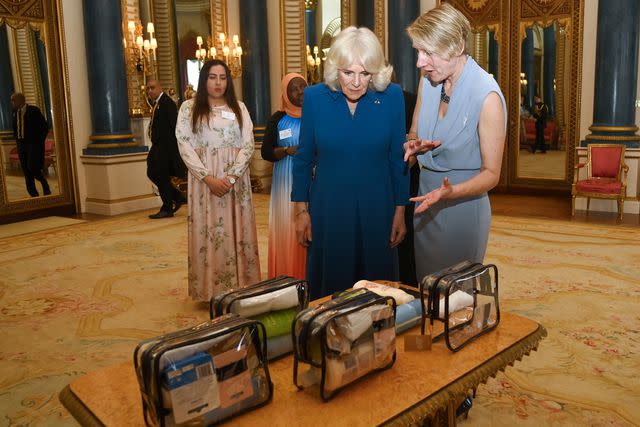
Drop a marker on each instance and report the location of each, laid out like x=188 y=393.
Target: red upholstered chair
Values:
x=606 y=176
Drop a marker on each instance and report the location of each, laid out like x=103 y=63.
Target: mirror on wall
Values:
x=483 y=47
x=29 y=144
x=193 y=20
x=323 y=22
x=542 y=150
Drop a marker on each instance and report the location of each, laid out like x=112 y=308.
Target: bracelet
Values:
x=301 y=212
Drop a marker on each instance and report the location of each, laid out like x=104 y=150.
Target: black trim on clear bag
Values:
x=222 y=304
x=440 y=284
x=467 y=275
x=432 y=309
x=300 y=353
x=153 y=406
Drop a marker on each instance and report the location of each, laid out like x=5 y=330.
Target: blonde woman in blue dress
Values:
x=458 y=137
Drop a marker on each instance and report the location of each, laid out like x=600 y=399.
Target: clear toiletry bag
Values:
x=274 y=303
x=344 y=339
x=465 y=298
x=205 y=374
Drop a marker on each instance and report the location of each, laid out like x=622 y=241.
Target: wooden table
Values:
x=420 y=385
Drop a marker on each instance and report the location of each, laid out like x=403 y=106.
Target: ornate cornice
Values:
x=22 y=10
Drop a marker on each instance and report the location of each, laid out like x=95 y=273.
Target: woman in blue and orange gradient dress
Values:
x=281 y=140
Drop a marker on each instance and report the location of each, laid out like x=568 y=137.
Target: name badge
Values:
x=284 y=134
x=228 y=115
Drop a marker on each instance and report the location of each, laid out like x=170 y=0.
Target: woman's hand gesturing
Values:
x=418 y=146
x=431 y=198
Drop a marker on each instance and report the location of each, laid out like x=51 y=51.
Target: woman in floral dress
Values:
x=215 y=139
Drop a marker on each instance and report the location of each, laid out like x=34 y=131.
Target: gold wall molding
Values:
x=345 y=13
x=612 y=137
x=166 y=34
x=561 y=38
x=379 y=22
x=46 y=18
x=292 y=37
x=219 y=24
x=568 y=14
x=27 y=65
x=111 y=137
x=595 y=128
x=22 y=12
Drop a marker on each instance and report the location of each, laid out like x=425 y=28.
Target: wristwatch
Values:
x=232 y=180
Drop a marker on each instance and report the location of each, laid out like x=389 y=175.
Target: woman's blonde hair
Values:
x=443 y=30
x=357 y=46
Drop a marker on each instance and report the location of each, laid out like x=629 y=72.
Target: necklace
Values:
x=443 y=95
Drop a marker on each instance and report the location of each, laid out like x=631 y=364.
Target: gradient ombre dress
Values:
x=286 y=255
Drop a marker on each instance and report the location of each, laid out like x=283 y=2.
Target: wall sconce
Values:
x=523 y=81
x=142 y=54
x=314 y=64
x=228 y=50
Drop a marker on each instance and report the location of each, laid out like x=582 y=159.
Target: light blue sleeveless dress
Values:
x=453 y=230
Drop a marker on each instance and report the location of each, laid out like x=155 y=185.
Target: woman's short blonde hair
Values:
x=443 y=30
x=357 y=46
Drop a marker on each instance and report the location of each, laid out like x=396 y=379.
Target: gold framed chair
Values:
x=606 y=176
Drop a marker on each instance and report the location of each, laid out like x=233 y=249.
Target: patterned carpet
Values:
x=34 y=225
x=78 y=298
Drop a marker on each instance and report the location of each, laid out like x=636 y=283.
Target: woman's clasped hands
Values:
x=218 y=186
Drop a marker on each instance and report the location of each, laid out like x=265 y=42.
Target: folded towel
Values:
x=277 y=346
x=357 y=323
x=399 y=295
x=408 y=315
x=272 y=301
x=277 y=323
x=457 y=301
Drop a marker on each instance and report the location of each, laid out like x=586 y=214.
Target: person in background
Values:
x=215 y=139
x=30 y=130
x=281 y=139
x=461 y=123
x=350 y=212
x=164 y=159
x=540 y=112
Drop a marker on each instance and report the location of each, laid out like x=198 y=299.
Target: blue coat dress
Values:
x=351 y=171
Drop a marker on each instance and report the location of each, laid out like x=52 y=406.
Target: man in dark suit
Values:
x=540 y=112
x=164 y=159
x=30 y=130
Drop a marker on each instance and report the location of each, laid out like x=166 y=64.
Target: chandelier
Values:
x=227 y=50
x=314 y=64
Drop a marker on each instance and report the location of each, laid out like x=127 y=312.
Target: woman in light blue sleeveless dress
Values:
x=460 y=121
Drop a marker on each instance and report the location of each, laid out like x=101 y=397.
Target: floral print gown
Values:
x=223 y=244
